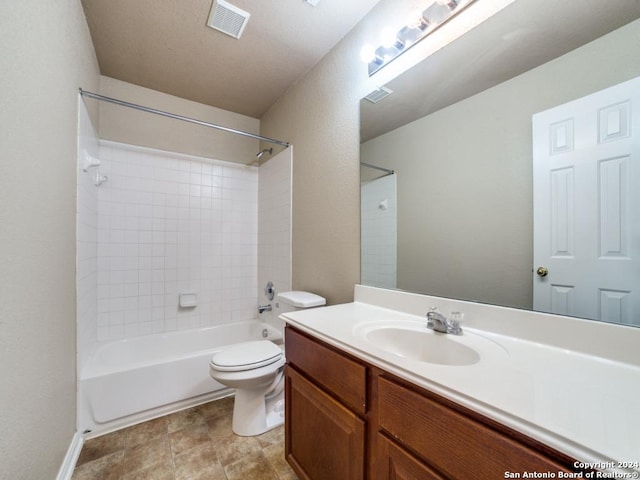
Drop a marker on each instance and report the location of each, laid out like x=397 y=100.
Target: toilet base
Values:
x=252 y=415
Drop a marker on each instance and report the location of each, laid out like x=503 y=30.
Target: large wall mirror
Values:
x=456 y=216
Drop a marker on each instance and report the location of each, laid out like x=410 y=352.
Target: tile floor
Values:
x=193 y=444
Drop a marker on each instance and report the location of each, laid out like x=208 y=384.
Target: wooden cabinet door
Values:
x=323 y=439
x=394 y=463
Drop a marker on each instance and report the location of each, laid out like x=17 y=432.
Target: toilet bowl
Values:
x=256 y=370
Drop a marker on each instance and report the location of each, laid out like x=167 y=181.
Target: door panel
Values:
x=587 y=206
x=324 y=440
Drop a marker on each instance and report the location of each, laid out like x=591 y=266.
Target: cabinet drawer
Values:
x=443 y=437
x=343 y=377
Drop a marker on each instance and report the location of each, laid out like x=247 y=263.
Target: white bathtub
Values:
x=133 y=380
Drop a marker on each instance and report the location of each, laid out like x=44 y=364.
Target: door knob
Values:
x=542 y=271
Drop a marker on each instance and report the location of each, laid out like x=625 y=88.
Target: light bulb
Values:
x=388 y=37
x=448 y=3
x=367 y=53
x=414 y=20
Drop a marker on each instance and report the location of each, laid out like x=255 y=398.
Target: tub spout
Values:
x=264 y=308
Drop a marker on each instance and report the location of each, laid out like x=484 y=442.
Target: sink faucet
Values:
x=264 y=308
x=439 y=323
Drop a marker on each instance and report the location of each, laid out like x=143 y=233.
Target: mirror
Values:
x=456 y=132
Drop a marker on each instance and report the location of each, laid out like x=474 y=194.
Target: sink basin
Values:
x=423 y=347
x=413 y=341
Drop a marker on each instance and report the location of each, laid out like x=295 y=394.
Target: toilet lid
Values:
x=247 y=356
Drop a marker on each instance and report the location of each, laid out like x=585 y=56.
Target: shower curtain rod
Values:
x=389 y=172
x=180 y=117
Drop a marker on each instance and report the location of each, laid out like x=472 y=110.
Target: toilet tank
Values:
x=295 y=300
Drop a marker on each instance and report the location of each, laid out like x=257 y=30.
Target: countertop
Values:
x=584 y=405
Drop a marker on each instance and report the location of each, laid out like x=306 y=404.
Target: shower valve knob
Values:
x=269 y=291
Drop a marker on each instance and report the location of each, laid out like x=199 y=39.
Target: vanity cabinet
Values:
x=325 y=395
x=346 y=419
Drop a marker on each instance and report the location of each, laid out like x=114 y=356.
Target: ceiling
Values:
x=520 y=37
x=166 y=46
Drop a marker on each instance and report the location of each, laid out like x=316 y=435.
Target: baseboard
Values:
x=70 y=459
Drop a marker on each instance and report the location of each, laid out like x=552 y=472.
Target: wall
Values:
x=46 y=55
x=471 y=190
x=126 y=125
x=319 y=115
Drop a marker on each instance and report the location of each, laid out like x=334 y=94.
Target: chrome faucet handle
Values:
x=454 y=327
x=439 y=323
x=436 y=321
x=455 y=323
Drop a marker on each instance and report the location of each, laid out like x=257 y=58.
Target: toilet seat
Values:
x=246 y=356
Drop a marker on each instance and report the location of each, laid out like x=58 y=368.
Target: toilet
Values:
x=256 y=370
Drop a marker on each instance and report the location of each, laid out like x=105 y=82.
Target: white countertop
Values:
x=584 y=405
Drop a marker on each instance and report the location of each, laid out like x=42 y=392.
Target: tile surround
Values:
x=274 y=223
x=379 y=232
x=86 y=237
x=166 y=223
x=170 y=223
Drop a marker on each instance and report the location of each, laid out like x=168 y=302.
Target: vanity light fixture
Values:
x=395 y=44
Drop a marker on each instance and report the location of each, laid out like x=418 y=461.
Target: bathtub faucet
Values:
x=264 y=308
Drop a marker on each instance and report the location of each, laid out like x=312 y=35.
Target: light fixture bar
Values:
x=436 y=15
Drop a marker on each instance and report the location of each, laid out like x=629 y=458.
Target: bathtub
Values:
x=133 y=380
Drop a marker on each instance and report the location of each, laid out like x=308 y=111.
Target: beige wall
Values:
x=465 y=176
x=326 y=226
x=126 y=125
x=320 y=116
x=46 y=55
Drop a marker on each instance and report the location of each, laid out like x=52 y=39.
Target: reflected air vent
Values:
x=378 y=94
x=227 y=18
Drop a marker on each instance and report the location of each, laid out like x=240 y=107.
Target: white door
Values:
x=586 y=183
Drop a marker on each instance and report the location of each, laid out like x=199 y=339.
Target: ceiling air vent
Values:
x=227 y=18
x=378 y=94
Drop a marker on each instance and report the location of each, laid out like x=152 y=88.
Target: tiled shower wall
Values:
x=379 y=232
x=274 y=224
x=171 y=224
x=168 y=223
x=86 y=238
